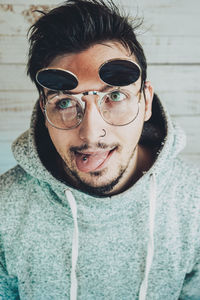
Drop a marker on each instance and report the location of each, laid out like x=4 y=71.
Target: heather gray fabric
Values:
x=36 y=226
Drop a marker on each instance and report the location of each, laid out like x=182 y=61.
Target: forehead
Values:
x=92 y=58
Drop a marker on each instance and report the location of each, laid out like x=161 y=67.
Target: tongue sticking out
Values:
x=90 y=162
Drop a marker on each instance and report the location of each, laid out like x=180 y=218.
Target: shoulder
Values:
x=15 y=187
x=188 y=204
x=185 y=186
x=188 y=176
x=13 y=180
x=178 y=204
x=185 y=180
x=180 y=193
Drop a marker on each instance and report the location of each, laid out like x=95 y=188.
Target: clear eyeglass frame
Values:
x=81 y=103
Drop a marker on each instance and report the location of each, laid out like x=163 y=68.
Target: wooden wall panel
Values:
x=171 y=39
x=158 y=49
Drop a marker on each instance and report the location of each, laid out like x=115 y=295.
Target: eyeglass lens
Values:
x=64 y=112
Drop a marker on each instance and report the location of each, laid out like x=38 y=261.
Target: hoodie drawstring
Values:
x=150 y=247
x=73 y=206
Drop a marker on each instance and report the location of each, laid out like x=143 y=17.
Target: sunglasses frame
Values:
x=71 y=73
x=59 y=69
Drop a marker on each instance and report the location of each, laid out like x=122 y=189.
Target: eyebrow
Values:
x=106 y=88
x=50 y=92
x=102 y=90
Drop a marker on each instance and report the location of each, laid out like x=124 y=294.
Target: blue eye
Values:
x=117 y=96
x=64 y=103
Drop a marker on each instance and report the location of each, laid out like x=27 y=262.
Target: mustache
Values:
x=96 y=146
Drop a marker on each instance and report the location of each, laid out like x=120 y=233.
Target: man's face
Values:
x=92 y=161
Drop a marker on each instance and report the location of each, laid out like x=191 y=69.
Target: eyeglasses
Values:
x=118 y=106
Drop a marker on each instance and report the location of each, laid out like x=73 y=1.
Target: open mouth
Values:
x=92 y=161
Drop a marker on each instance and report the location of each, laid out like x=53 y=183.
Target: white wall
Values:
x=170 y=36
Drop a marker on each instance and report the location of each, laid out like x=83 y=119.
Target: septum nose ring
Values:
x=103 y=133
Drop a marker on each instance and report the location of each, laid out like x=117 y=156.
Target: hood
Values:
x=34 y=150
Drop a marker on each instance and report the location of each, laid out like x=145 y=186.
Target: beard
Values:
x=101 y=190
x=73 y=178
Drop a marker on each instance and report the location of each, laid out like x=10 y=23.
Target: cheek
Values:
x=130 y=134
x=60 y=139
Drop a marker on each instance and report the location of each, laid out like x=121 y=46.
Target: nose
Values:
x=92 y=127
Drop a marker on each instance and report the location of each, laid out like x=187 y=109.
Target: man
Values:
x=99 y=206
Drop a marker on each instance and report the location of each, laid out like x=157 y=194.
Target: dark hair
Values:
x=75 y=26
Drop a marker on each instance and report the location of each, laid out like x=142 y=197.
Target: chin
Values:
x=98 y=183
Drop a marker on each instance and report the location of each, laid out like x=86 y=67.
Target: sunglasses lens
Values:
x=119 y=72
x=54 y=79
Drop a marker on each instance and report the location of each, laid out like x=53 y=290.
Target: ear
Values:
x=148 y=90
x=41 y=103
x=42 y=109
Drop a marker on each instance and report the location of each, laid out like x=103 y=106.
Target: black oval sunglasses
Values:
x=115 y=72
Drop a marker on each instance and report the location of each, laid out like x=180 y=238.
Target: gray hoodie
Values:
x=57 y=242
